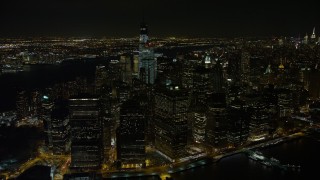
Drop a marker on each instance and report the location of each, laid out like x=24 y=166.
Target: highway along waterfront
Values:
x=300 y=151
x=287 y=157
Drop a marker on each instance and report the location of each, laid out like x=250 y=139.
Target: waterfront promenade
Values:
x=166 y=170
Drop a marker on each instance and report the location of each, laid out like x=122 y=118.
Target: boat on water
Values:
x=266 y=163
x=293 y=166
x=259 y=153
x=274 y=160
x=256 y=155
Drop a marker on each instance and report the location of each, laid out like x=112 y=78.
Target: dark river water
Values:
x=41 y=76
x=303 y=152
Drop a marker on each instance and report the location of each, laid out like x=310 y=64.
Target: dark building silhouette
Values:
x=101 y=76
x=170 y=69
x=314 y=88
x=22 y=105
x=131 y=136
x=144 y=94
x=271 y=99
x=123 y=91
x=238 y=122
x=217 y=125
x=234 y=66
x=202 y=84
x=35 y=102
x=315 y=111
x=218 y=79
x=45 y=116
x=60 y=129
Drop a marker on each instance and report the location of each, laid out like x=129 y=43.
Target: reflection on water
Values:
x=304 y=152
x=41 y=76
x=17 y=145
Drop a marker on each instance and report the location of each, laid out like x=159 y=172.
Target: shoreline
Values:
x=202 y=161
x=165 y=171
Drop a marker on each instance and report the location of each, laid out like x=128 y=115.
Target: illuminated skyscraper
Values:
x=86 y=133
x=106 y=117
x=187 y=75
x=245 y=66
x=171 y=116
x=126 y=68
x=313 y=37
x=207 y=61
x=285 y=102
x=143 y=33
x=147 y=60
x=131 y=135
x=135 y=71
x=199 y=123
x=259 y=120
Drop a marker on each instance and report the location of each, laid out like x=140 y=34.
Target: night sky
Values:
x=181 y=18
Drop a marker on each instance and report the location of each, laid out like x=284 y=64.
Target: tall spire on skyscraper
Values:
x=313 y=36
x=143 y=31
x=147 y=62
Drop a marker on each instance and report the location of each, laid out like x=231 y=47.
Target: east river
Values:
x=303 y=152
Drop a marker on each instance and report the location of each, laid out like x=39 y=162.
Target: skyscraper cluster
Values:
x=212 y=98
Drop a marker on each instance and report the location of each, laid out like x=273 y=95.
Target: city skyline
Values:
x=179 y=18
x=231 y=87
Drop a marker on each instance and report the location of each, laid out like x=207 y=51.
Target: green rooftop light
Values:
x=45 y=97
